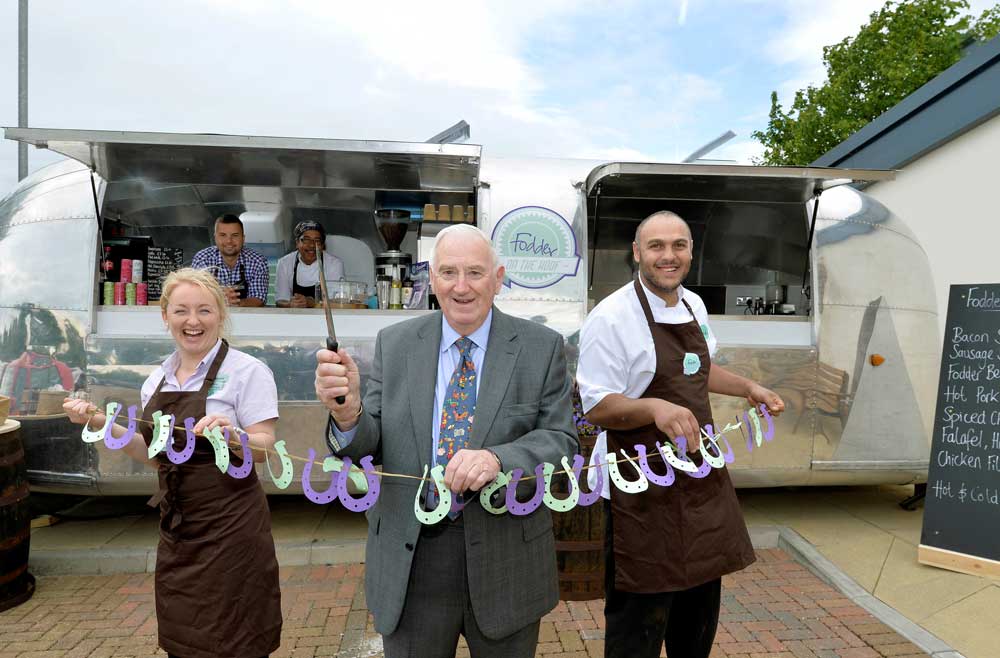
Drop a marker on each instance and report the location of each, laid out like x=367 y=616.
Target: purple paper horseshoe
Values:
x=366 y=501
x=243 y=470
x=702 y=471
x=185 y=454
x=594 y=495
x=659 y=480
x=520 y=509
x=750 y=437
x=769 y=433
x=726 y=454
x=319 y=497
x=119 y=443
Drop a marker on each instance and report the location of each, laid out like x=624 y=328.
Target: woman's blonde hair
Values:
x=204 y=280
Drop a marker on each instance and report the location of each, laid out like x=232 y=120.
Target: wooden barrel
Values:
x=580 y=541
x=16 y=584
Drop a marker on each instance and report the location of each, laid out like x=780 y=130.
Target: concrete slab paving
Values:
x=972 y=622
x=919 y=591
x=68 y=535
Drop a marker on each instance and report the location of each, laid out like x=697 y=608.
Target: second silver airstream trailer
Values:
x=833 y=279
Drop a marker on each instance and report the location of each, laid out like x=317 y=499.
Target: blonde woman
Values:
x=217 y=591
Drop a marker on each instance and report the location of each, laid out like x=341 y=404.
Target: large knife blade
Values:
x=331 y=333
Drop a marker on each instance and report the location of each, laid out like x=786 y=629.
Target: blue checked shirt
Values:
x=250 y=261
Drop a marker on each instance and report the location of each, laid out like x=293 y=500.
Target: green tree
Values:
x=903 y=46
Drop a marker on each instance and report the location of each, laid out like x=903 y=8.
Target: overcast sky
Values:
x=638 y=80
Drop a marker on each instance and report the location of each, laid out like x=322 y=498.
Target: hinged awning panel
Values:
x=174 y=158
x=735 y=183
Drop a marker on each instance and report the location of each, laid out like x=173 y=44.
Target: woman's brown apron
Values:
x=668 y=539
x=217 y=592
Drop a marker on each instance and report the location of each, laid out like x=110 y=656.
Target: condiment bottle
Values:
x=407 y=293
x=396 y=295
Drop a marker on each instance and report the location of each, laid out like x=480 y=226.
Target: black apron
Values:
x=668 y=539
x=217 y=592
x=305 y=291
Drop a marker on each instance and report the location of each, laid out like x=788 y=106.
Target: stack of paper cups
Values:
x=141 y=294
x=109 y=293
x=130 y=294
x=137 y=271
x=126 y=271
x=119 y=294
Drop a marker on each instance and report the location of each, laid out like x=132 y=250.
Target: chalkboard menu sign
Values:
x=161 y=261
x=962 y=512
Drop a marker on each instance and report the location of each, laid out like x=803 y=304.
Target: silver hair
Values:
x=458 y=230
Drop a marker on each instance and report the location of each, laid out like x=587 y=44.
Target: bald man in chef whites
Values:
x=645 y=373
x=479 y=392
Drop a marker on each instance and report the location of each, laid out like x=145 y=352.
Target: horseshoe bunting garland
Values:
x=713 y=446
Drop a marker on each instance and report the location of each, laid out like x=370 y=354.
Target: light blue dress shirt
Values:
x=447 y=362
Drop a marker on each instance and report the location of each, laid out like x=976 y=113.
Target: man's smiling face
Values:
x=663 y=251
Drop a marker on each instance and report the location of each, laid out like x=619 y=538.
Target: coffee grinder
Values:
x=393 y=224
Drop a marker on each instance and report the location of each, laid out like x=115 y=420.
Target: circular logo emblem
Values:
x=536 y=246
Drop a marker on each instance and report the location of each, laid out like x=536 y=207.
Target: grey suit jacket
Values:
x=523 y=413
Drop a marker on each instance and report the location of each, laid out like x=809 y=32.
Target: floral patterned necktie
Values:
x=458 y=408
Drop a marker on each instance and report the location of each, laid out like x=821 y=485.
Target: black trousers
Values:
x=638 y=625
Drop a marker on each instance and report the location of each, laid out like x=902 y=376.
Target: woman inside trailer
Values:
x=217 y=590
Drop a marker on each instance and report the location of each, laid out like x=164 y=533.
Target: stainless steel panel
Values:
x=720 y=182
x=264 y=161
x=874 y=294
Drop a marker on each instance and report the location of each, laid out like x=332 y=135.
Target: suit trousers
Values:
x=639 y=625
x=437 y=608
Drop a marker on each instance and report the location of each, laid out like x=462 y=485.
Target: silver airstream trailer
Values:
x=839 y=280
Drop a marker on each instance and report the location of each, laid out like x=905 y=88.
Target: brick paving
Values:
x=774 y=609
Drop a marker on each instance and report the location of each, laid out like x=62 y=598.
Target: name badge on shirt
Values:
x=218 y=384
x=692 y=364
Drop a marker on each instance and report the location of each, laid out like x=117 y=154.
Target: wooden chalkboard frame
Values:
x=962 y=508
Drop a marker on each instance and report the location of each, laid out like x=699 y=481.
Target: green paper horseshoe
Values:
x=443 y=494
x=486 y=495
x=93 y=436
x=286 y=476
x=567 y=503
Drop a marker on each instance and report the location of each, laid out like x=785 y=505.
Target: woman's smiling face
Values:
x=194 y=319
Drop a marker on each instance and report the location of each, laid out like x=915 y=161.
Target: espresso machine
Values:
x=393 y=225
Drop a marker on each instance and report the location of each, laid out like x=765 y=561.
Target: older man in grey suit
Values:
x=487 y=577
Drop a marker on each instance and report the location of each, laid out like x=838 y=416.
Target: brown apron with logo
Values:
x=668 y=539
x=217 y=592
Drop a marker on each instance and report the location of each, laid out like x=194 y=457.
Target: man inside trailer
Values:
x=298 y=271
x=241 y=271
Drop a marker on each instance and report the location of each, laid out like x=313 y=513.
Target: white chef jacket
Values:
x=333 y=268
x=617 y=354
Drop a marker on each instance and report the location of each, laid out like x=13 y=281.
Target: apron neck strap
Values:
x=213 y=370
x=644 y=302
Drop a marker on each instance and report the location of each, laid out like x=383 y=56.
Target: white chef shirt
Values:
x=308 y=274
x=617 y=354
x=244 y=390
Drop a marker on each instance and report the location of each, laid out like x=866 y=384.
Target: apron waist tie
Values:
x=170 y=497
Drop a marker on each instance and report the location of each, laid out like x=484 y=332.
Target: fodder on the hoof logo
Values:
x=536 y=246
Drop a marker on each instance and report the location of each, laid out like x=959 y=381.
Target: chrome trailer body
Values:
x=848 y=422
